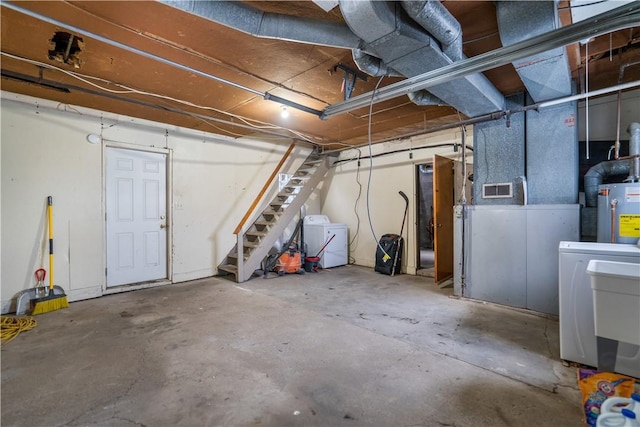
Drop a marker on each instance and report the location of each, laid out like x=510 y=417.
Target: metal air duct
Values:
x=422 y=97
x=440 y=23
x=595 y=176
x=371 y=65
x=547 y=74
x=406 y=47
x=255 y=22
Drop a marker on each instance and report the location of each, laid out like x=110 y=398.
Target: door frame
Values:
x=169 y=200
x=418 y=217
x=446 y=258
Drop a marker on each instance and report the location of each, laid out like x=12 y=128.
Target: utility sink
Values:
x=616 y=300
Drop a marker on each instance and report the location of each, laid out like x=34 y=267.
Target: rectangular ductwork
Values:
x=407 y=48
x=383 y=35
x=547 y=74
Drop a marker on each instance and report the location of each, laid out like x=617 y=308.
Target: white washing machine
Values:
x=578 y=342
x=317 y=231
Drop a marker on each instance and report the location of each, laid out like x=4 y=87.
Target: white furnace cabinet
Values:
x=317 y=231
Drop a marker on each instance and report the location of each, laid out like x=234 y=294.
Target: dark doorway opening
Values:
x=424 y=177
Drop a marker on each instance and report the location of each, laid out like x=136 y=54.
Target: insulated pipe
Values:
x=623 y=17
x=372 y=65
x=634 y=150
x=594 y=177
x=376 y=67
x=242 y=17
x=440 y=23
x=422 y=97
x=407 y=47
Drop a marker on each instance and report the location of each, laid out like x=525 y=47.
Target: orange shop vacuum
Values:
x=288 y=260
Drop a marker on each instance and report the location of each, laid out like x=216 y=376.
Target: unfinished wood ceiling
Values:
x=92 y=73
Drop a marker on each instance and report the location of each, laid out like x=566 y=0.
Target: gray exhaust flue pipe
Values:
x=594 y=177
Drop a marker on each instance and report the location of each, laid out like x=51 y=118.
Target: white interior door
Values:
x=136 y=216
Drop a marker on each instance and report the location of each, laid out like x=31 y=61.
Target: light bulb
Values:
x=94 y=138
x=284 y=113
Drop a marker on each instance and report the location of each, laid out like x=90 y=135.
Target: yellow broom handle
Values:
x=50 y=218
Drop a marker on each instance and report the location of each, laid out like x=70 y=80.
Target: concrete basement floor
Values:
x=342 y=347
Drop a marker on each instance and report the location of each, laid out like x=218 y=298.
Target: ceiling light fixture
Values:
x=284 y=113
x=94 y=138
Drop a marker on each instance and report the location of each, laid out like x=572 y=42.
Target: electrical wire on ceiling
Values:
x=194 y=53
x=97 y=37
x=355 y=208
x=373 y=233
x=256 y=124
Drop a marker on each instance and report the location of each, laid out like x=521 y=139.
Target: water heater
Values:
x=619 y=213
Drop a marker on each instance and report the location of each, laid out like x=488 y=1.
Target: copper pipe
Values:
x=629 y=157
x=614 y=202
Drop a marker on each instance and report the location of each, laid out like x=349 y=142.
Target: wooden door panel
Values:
x=443 y=217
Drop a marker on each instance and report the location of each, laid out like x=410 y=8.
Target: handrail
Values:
x=266 y=185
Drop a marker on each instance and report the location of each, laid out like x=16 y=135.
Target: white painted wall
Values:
x=603 y=114
x=390 y=174
x=44 y=151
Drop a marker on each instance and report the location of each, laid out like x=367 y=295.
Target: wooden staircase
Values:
x=253 y=244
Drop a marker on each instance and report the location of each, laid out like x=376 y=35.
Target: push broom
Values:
x=51 y=302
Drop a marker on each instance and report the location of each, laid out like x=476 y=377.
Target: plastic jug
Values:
x=625 y=418
x=616 y=404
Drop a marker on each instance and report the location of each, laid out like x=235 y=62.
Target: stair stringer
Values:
x=247 y=266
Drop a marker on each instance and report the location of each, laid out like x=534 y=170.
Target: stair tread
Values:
x=256 y=241
x=234 y=255
x=271 y=212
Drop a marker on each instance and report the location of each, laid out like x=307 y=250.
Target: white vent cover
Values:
x=500 y=190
